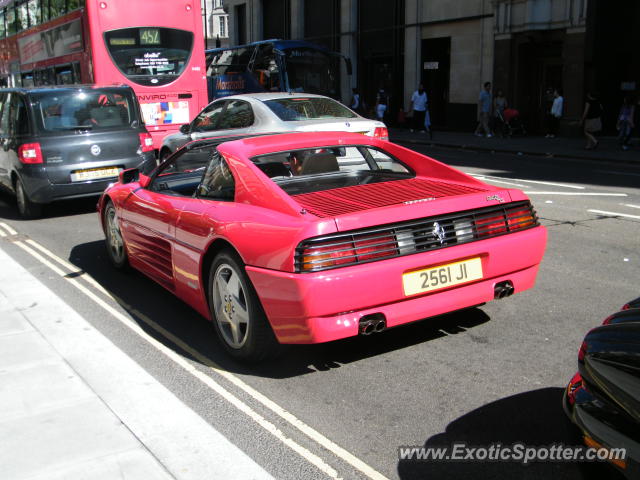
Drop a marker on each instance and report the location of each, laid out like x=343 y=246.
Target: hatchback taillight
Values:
x=381 y=133
x=30 y=153
x=146 y=142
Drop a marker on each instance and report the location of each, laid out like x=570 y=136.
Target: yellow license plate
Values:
x=443 y=276
x=94 y=173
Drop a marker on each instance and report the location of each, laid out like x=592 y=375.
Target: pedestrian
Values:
x=555 y=113
x=419 y=108
x=592 y=120
x=381 y=104
x=484 y=110
x=356 y=104
x=500 y=104
x=625 y=122
x=547 y=102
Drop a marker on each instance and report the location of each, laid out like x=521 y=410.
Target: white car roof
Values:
x=272 y=95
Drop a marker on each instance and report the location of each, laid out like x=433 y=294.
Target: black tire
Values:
x=233 y=301
x=114 y=242
x=27 y=208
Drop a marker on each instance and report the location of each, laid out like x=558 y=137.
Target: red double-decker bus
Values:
x=156 y=46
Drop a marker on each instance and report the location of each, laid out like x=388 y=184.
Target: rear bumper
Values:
x=324 y=306
x=41 y=190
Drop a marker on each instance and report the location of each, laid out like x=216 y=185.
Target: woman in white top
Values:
x=556 y=113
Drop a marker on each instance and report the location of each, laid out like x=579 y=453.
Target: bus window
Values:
x=2 y=27
x=23 y=15
x=150 y=56
x=56 y=8
x=35 y=12
x=230 y=61
x=265 y=69
x=75 y=67
x=27 y=79
x=311 y=71
x=64 y=75
x=11 y=20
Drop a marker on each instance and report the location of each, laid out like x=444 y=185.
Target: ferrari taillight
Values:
x=30 y=153
x=320 y=257
x=381 y=133
x=375 y=246
x=490 y=226
x=146 y=142
x=520 y=219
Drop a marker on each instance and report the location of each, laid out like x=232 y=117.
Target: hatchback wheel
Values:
x=116 y=250
x=238 y=318
x=26 y=207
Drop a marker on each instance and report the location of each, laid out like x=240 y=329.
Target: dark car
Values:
x=603 y=398
x=68 y=142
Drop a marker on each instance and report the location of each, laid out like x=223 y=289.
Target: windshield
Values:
x=150 y=55
x=310 y=108
x=312 y=71
x=96 y=109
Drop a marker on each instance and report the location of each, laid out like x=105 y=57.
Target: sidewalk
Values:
x=73 y=406
x=561 y=147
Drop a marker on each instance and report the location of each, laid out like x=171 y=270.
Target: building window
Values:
x=222 y=22
x=217 y=3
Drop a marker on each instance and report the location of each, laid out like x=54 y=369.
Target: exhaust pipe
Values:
x=503 y=289
x=372 y=323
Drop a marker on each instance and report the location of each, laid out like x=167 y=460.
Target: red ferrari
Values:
x=312 y=237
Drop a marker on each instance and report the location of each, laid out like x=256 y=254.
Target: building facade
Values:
x=524 y=47
x=216 y=23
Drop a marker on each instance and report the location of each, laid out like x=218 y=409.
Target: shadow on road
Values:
x=141 y=297
x=536 y=168
x=62 y=208
x=534 y=418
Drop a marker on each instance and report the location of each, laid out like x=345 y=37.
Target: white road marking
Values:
x=9 y=230
x=235 y=401
x=586 y=194
x=577 y=187
x=614 y=214
x=483 y=177
x=618 y=173
x=630 y=205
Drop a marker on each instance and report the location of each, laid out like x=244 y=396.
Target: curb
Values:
x=477 y=148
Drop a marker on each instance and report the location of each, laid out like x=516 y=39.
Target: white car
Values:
x=271 y=112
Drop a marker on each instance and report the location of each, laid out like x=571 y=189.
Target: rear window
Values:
x=150 y=55
x=79 y=110
x=312 y=108
x=310 y=170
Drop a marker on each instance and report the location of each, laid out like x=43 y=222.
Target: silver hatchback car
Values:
x=271 y=112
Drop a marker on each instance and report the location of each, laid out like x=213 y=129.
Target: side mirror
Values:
x=144 y=181
x=129 y=175
x=184 y=129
